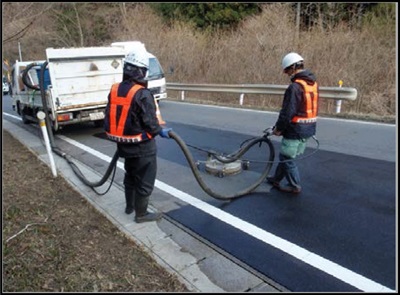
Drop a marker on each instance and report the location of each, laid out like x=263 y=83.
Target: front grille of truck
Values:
x=155 y=90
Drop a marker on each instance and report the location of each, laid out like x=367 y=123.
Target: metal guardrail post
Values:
x=241 y=98
x=338 y=102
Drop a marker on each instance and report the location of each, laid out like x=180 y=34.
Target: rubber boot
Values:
x=130 y=200
x=142 y=215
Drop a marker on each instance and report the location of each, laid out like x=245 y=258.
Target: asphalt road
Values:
x=338 y=235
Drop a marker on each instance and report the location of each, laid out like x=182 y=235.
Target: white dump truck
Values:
x=76 y=82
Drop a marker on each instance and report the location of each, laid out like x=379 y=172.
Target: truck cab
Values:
x=155 y=77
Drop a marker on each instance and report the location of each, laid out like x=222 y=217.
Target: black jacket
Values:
x=143 y=118
x=293 y=105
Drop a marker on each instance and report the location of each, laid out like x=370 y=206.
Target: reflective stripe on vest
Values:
x=117 y=128
x=129 y=138
x=311 y=100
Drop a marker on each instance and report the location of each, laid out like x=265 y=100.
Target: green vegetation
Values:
x=207 y=15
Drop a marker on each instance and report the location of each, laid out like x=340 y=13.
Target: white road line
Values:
x=327 y=266
x=12 y=116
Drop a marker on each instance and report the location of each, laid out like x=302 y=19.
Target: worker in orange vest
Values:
x=131 y=121
x=297 y=121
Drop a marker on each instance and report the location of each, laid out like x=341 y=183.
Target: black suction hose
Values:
x=232 y=158
x=182 y=145
x=44 y=103
x=110 y=169
x=25 y=76
x=113 y=163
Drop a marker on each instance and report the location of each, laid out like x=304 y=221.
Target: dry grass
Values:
x=54 y=240
x=364 y=59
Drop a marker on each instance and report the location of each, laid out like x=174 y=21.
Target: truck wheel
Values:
x=25 y=120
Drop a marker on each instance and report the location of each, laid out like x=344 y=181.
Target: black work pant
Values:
x=140 y=175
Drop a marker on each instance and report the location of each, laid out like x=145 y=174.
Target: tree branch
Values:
x=24 y=229
x=15 y=36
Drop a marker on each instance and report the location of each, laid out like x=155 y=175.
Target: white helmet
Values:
x=290 y=59
x=138 y=58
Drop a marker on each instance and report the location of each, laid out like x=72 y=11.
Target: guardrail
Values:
x=336 y=93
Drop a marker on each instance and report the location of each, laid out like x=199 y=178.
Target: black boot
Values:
x=142 y=215
x=130 y=200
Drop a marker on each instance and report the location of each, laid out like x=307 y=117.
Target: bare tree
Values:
x=16 y=20
x=78 y=24
x=69 y=23
x=298 y=21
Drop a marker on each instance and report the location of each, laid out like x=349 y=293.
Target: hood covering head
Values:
x=134 y=73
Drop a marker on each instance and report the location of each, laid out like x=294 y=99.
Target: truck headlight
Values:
x=163 y=88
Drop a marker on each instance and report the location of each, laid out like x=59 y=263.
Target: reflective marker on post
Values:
x=41 y=115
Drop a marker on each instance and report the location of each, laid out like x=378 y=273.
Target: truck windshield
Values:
x=155 y=70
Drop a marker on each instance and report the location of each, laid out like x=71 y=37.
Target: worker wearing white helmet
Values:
x=297 y=121
x=291 y=59
x=131 y=121
x=136 y=65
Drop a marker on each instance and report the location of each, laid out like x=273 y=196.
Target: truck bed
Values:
x=82 y=77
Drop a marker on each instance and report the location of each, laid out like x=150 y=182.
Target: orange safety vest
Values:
x=117 y=129
x=311 y=99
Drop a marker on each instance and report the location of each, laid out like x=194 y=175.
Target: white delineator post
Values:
x=41 y=115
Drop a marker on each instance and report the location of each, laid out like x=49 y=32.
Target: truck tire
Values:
x=25 y=120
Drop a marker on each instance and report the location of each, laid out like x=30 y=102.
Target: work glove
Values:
x=164 y=132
